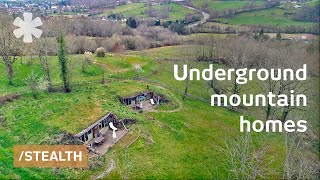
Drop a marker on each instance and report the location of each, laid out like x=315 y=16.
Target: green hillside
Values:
x=163 y=149
x=176 y=11
x=275 y=17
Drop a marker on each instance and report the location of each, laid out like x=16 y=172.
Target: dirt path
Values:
x=205 y=17
x=106 y=172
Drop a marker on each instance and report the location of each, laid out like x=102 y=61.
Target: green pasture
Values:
x=274 y=17
x=138 y=9
x=222 y=5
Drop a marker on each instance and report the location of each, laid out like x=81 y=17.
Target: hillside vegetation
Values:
x=172 y=11
x=102 y=57
x=163 y=148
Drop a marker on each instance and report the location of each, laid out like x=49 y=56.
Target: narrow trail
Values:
x=205 y=16
x=106 y=172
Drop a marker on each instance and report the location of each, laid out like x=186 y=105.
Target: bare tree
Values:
x=118 y=48
x=299 y=162
x=9 y=47
x=41 y=49
x=272 y=61
x=246 y=161
x=188 y=57
x=235 y=51
x=33 y=83
x=86 y=61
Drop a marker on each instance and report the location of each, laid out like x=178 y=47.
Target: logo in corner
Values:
x=28 y=27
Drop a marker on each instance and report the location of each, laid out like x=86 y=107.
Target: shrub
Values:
x=131 y=22
x=135 y=42
x=101 y=52
x=106 y=43
x=118 y=47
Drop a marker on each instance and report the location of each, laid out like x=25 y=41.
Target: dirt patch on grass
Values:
x=8 y=98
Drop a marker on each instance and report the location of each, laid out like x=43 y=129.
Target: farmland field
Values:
x=176 y=12
x=222 y=5
x=274 y=17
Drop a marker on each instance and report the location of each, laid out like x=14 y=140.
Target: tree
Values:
x=188 y=57
x=299 y=163
x=86 y=61
x=185 y=94
x=41 y=49
x=63 y=63
x=178 y=27
x=33 y=83
x=307 y=14
x=278 y=37
x=9 y=46
x=261 y=32
x=118 y=48
x=101 y=52
x=235 y=51
x=131 y=22
x=245 y=161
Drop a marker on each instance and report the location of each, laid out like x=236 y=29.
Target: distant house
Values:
x=123 y=20
x=307 y=37
x=297 y=6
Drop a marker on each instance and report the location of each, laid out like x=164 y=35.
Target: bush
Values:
x=106 y=43
x=179 y=27
x=134 y=42
x=191 y=18
x=101 y=52
x=131 y=22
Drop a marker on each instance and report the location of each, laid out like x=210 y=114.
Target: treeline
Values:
x=86 y=34
x=251 y=6
x=257 y=51
x=230 y=29
x=230 y=12
x=307 y=14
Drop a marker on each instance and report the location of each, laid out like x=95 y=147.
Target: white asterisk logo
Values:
x=27 y=27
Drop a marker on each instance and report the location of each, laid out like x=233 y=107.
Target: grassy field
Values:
x=179 y=144
x=222 y=5
x=177 y=11
x=133 y=9
x=273 y=17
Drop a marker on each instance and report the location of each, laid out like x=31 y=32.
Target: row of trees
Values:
x=307 y=14
x=229 y=12
x=81 y=27
x=216 y=28
x=11 y=49
x=36 y=82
